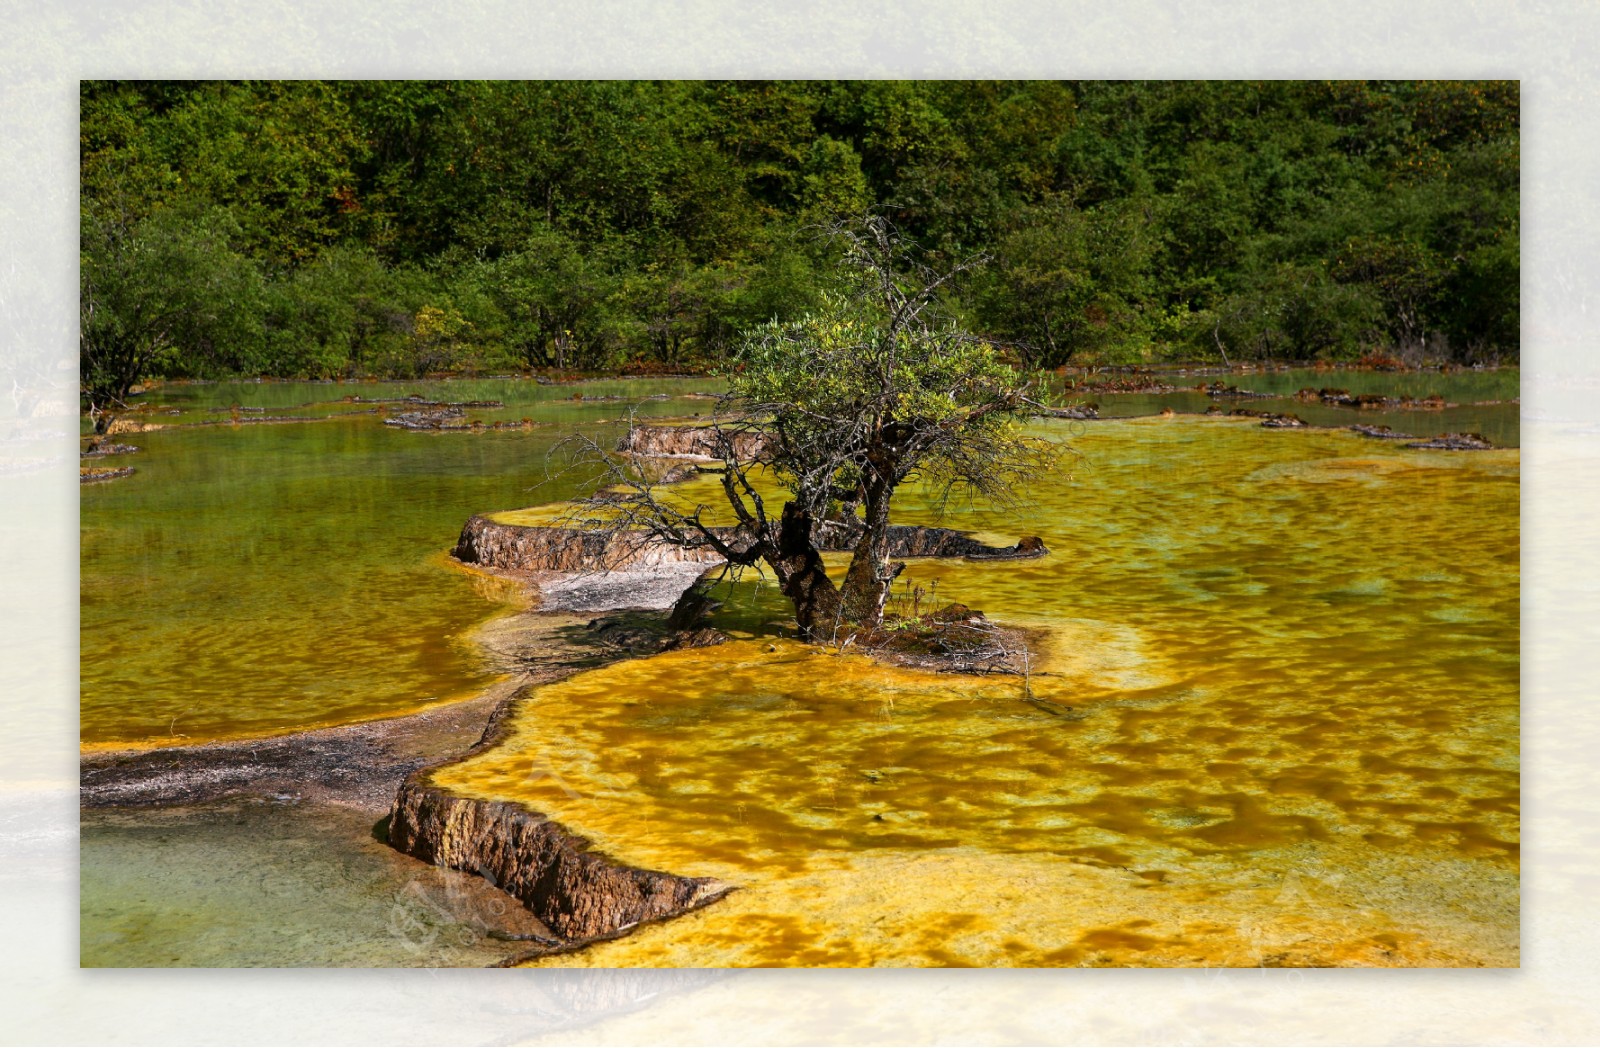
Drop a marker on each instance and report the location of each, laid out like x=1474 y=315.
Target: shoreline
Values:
x=363 y=763
x=350 y=776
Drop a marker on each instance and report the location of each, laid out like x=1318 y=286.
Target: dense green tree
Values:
x=166 y=294
x=587 y=224
x=556 y=300
x=334 y=316
x=1070 y=284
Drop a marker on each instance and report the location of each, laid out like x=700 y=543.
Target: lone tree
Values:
x=842 y=407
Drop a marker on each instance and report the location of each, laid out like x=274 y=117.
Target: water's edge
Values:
x=582 y=895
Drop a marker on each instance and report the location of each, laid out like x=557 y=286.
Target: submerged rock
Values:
x=97 y=448
x=1344 y=398
x=130 y=425
x=1217 y=389
x=1381 y=433
x=1454 y=442
x=1270 y=419
x=906 y=540
x=1076 y=411
x=92 y=476
x=439 y=418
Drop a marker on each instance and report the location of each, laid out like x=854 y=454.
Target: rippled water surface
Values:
x=1272 y=717
x=253 y=579
x=1276 y=689
x=1482 y=402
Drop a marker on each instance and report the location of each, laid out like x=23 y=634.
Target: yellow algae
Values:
x=962 y=907
x=1241 y=679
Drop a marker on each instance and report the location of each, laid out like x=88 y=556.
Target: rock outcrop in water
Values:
x=517 y=547
x=1380 y=433
x=95 y=476
x=1269 y=419
x=579 y=894
x=1455 y=442
x=100 y=448
x=1076 y=411
x=119 y=426
x=906 y=540
x=1345 y=399
x=1217 y=389
x=689 y=441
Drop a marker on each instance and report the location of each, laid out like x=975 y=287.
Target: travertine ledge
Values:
x=517 y=547
x=580 y=895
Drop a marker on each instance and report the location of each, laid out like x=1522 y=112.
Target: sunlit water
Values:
x=262 y=578
x=1279 y=674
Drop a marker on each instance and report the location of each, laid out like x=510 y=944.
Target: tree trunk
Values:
x=803 y=579
x=866 y=585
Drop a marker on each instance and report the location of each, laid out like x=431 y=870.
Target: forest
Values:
x=322 y=229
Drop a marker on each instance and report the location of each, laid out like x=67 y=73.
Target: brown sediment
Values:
x=954 y=639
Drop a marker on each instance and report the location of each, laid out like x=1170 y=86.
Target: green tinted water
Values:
x=260 y=578
x=1287 y=660
x=1482 y=401
x=257 y=579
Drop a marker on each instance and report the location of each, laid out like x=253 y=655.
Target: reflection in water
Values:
x=1484 y=402
x=1278 y=725
x=262 y=579
x=1277 y=675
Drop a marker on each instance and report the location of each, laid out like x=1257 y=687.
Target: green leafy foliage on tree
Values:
x=167 y=294
x=875 y=388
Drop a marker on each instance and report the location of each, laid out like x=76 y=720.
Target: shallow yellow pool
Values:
x=1273 y=721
